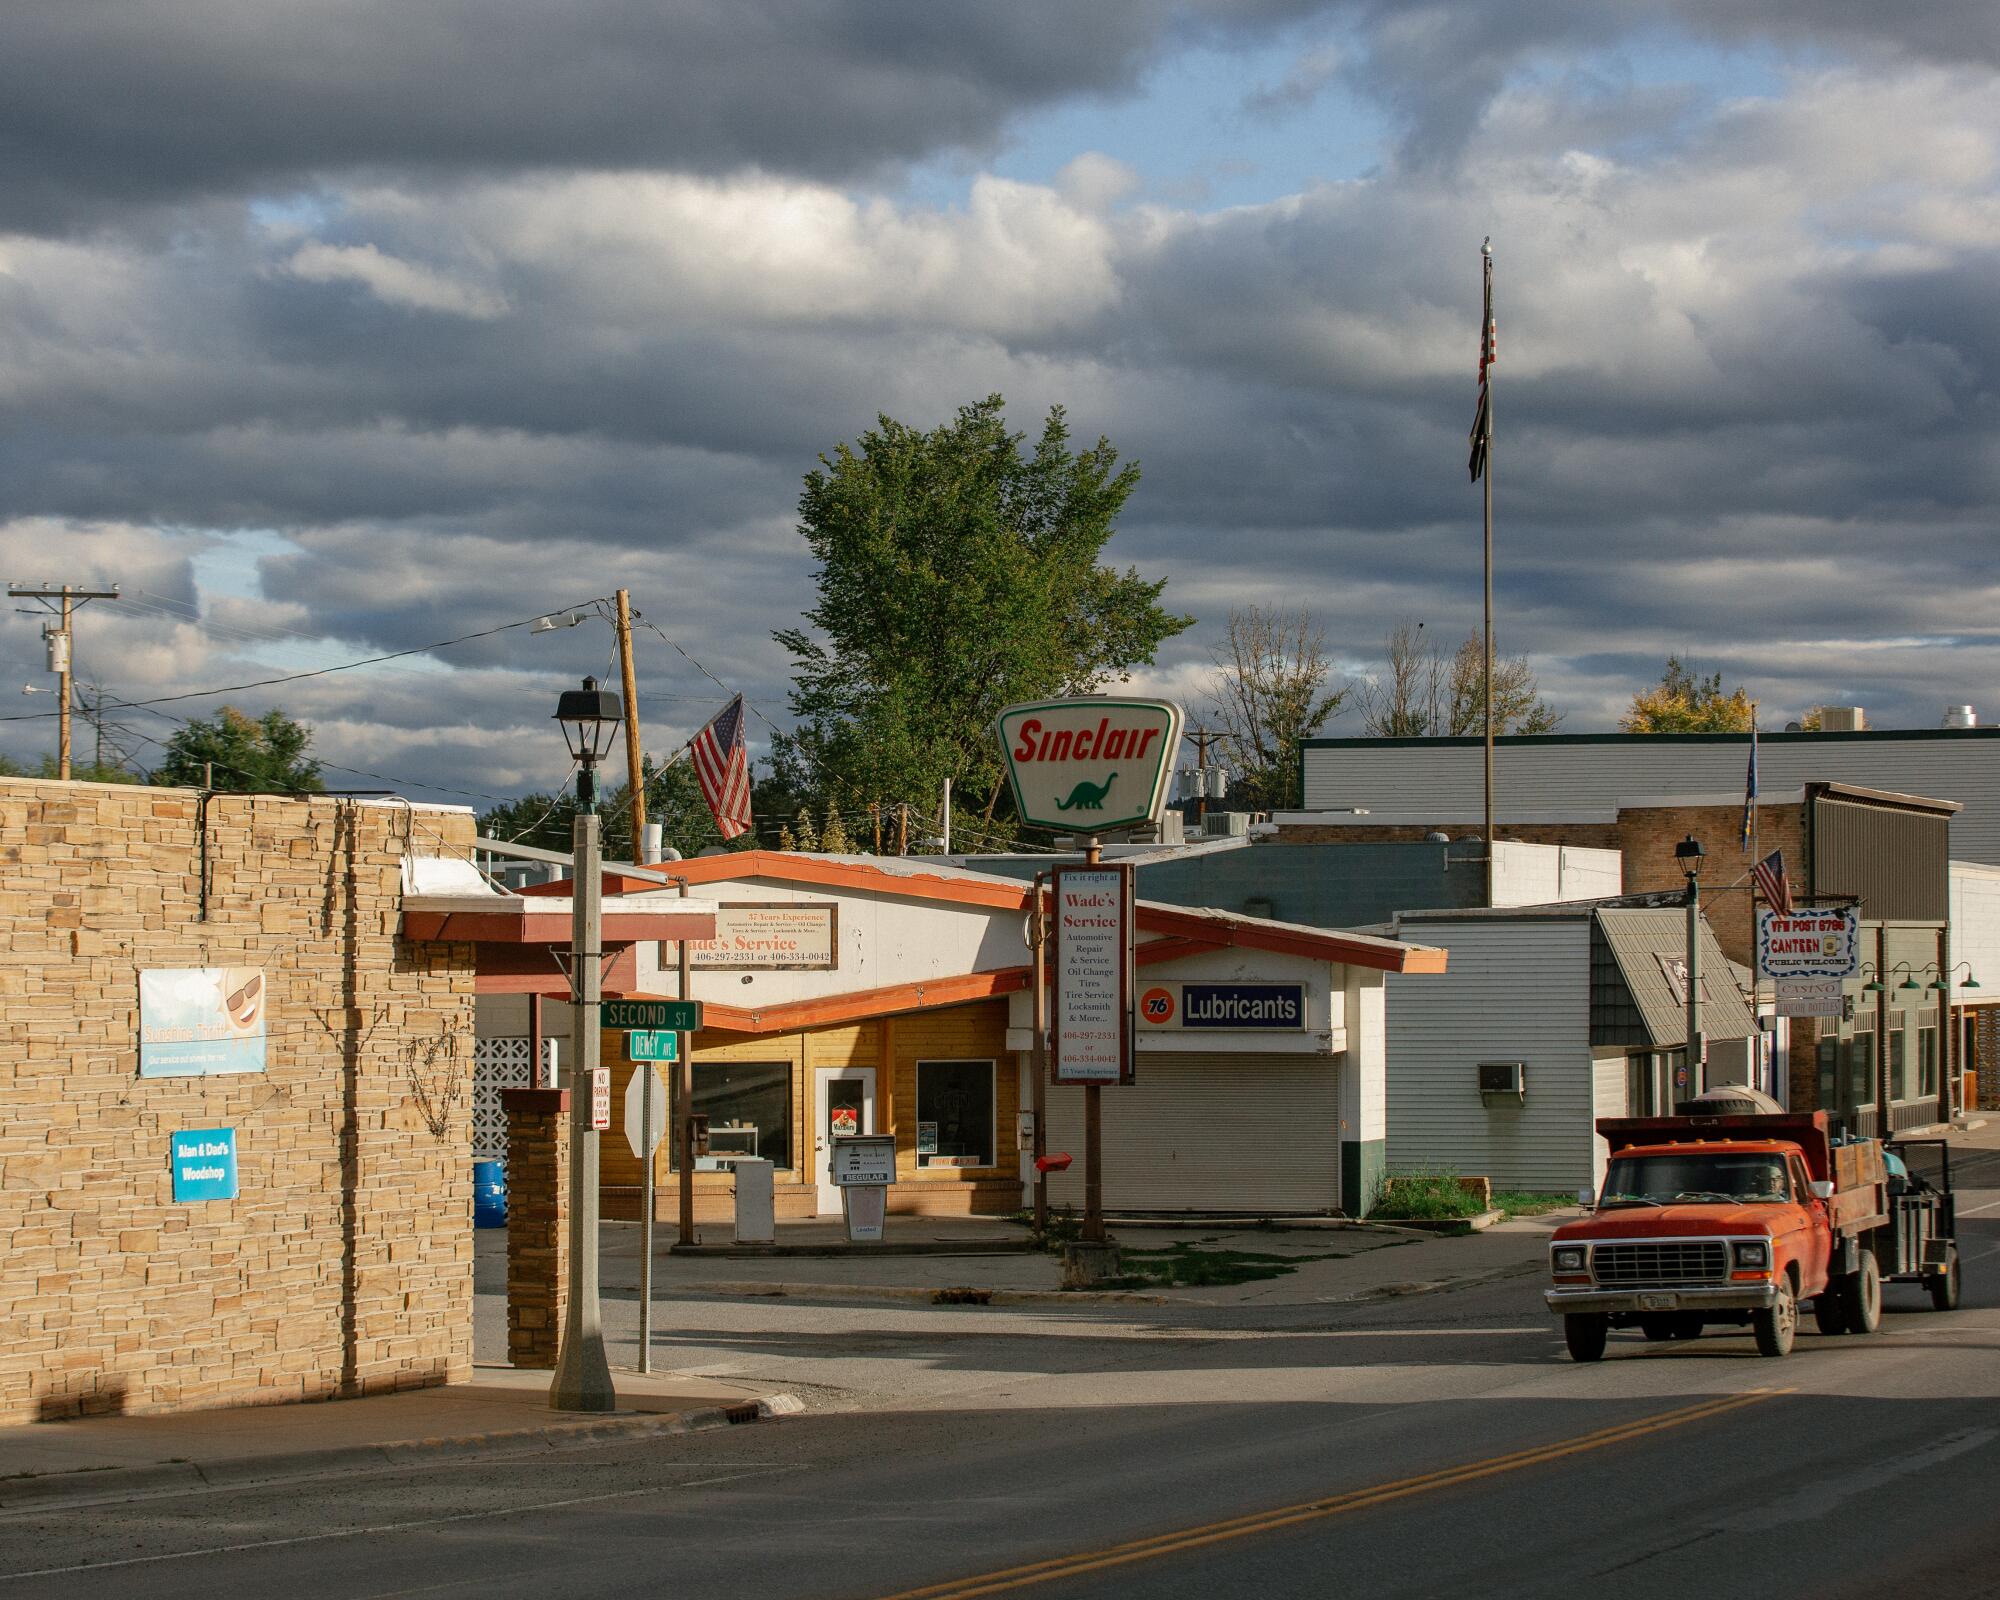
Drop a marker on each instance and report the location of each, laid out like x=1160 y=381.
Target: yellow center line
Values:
x=1164 y=1544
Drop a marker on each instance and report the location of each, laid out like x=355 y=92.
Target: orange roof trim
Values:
x=1201 y=927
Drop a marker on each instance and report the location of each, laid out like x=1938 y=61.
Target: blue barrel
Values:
x=489 y=1194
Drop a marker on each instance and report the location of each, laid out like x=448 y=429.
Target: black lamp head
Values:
x=1689 y=854
x=590 y=719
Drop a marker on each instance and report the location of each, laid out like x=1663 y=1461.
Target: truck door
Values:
x=1819 y=1257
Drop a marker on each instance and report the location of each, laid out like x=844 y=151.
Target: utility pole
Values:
x=947 y=816
x=903 y=828
x=635 y=767
x=875 y=816
x=1201 y=739
x=62 y=601
x=684 y=1098
x=1038 y=939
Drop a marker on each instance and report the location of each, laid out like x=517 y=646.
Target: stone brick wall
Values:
x=1647 y=836
x=537 y=1223
x=345 y=1265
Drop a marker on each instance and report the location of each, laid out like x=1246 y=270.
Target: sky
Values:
x=345 y=329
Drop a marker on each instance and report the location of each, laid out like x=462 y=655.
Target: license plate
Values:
x=1659 y=1302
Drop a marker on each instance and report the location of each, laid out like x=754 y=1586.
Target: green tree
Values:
x=1273 y=689
x=1518 y=706
x=249 y=755
x=673 y=799
x=1684 y=703
x=957 y=573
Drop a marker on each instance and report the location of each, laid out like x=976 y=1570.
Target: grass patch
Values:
x=1188 y=1266
x=1423 y=1197
x=1528 y=1203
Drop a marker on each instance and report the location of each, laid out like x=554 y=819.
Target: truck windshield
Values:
x=1697 y=1177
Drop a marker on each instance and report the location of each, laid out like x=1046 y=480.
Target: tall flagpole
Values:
x=1486 y=479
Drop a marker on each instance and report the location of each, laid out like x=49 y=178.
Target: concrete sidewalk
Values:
x=1328 y=1264
x=501 y=1409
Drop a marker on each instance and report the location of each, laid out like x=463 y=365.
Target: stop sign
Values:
x=641 y=1133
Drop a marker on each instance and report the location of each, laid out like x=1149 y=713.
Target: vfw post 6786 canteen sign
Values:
x=1090 y=765
x=1818 y=943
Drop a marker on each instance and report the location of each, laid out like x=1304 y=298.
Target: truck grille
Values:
x=1667 y=1262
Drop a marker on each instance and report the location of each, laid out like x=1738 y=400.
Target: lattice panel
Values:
x=496 y=1064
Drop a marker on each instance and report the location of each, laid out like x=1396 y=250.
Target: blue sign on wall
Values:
x=204 y=1162
x=1243 y=1005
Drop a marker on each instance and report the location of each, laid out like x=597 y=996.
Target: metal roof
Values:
x=1640 y=941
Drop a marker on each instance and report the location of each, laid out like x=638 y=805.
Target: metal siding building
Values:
x=1516 y=990
x=1559 y=777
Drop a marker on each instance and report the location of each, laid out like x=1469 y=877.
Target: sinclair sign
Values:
x=1090 y=765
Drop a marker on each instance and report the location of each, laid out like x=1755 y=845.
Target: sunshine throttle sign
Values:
x=1089 y=765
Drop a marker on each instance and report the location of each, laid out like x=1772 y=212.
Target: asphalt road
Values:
x=1434 y=1446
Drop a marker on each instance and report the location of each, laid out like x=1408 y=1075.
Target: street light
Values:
x=590 y=719
x=1688 y=856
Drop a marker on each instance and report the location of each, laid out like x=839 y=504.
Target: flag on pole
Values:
x=722 y=769
x=1770 y=876
x=1482 y=419
x=1750 y=791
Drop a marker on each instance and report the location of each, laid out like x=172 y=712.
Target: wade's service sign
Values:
x=1090 y=765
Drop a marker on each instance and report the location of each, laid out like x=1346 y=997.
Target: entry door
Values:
x=843 y=1103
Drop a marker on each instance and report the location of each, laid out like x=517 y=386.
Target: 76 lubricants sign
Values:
x=1092 y=764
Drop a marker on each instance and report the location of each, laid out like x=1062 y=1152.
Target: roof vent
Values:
x=1960 y=717
x=1842 y=719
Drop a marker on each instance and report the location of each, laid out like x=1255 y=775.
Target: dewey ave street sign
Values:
x=1091 y=764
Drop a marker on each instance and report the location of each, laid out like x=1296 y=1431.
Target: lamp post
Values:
x=590 y=719
x=1688 y=855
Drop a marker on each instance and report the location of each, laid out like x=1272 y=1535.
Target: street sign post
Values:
x=645 y=1113
x=675 y=1016
x=653 y=1044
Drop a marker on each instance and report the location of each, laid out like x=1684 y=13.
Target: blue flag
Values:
x=1750 y=790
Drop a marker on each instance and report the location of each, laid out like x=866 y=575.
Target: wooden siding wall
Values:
x=970 y=1032
x=1514 y=991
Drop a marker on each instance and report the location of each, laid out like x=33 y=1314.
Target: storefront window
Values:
x=1927 y=1054
x=955 y=1114
x=748 y=1105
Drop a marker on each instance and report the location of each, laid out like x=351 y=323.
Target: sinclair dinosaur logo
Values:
x=1090 y=765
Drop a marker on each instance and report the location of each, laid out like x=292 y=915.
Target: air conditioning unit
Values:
x=1503 y=1078
x=1226 y=824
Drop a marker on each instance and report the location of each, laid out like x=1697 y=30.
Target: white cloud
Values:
x=394 y=282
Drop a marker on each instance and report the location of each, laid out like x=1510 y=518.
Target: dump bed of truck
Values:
x=1856 y=1170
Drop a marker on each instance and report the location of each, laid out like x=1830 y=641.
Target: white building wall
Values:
x=1975 y=930
x=1542 y=874
x=1513 y=991
x=1590 y=874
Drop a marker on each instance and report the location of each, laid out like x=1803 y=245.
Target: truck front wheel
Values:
x=1776 y=1328
x=1585 y=1332
x=1861 y=1295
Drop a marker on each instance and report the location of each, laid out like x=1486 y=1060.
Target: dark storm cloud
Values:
x=122 y=105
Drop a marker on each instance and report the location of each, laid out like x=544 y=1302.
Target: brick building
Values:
x=327 y=1105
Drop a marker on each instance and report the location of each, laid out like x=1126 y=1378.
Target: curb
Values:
x=942 y=1295
x=85 y=1484
x=939 y=1247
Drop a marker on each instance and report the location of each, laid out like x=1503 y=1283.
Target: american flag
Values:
x=723 y=770
x=1770 y=876
x=1482 y=419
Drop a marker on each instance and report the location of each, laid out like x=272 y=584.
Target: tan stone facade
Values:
x=345 y=1264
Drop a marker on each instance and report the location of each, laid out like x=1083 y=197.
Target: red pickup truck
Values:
x=1724 y=1219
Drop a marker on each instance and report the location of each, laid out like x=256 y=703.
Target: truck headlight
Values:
x=1568 y=1257
x=1756 y=1254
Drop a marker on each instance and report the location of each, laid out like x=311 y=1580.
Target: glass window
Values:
x=1697 y=1177
x=1900 y=1086
x=955 y=1114
x=748 y=1105
x=1927 y=1060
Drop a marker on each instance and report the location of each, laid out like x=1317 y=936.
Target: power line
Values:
x=295 y=677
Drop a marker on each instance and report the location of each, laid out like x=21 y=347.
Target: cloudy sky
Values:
x=330 y=330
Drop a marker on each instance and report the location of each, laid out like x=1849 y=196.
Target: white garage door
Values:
x=1258 y=1133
